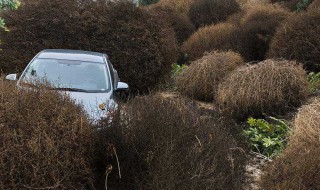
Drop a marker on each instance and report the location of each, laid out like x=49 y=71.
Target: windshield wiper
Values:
x=71 y=89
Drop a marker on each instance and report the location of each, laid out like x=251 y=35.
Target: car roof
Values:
x=74 y=55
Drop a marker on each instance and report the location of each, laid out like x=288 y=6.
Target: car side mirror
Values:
x=11 y=77
x=122 y=87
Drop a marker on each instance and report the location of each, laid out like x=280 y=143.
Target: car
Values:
x=87 y=77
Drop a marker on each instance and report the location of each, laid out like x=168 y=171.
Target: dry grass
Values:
x=201 y=79
x=298 y=167
x=209 y=38
x=270 y=87
x=45 y=141
x=257 y=27
x=207 y=12
x=299 y=39
x=162 y=143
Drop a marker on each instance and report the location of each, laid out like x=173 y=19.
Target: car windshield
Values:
x=68 y=75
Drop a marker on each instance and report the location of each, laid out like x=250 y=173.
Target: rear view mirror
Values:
x=11 y=77
x=122 y=87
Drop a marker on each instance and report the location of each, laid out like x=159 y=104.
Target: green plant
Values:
x=177 y=69
x=302 y=5
x=147 y=2
x=314 y=81
x=267 y=138
x=9 y=4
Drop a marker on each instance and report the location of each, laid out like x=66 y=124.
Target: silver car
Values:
x=87 y=77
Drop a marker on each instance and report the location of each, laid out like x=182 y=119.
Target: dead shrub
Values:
x=257 y=28
x=141 y=47
x=162 y=143
x=269 y=87
x=45 y=141
x=314 y=4
x=207 y=12
x=298 y=39
x=215 y=37
x=180 y=22
x=201 y=79
x=248 y=3
x=181 y=6
x=298 y=167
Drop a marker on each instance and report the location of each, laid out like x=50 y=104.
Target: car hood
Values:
x=91 y=103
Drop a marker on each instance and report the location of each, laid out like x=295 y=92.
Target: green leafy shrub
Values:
x=141 y=47
x=267 y=138
x=207 y=12
x=202 y=78
x=45 y=140
x=147 y=2
x=161 y=142
x=302 y=5
x=269 y=87
x=298 y=40
x=10 y=4
x=221 y=37
x=298 y=166
x=314 y=81
x=177 y=69
x=256 y=29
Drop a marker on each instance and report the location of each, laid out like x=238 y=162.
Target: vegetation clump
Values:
x=207 y=12
x=267 y=88
x=45 y=141
x=206 y=39
x=141 y=47
x=298 y=166
x=180 y=22
x=162 y=143
x=257 y=27
x=267 y=137
x=202 y=78
x=298 y=39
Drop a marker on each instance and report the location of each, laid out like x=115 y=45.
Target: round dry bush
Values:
x=141 y=47
x=162 y=143
x=314 y=4
x=269 y=87
x=257 y=28
x=207 y=12
x=182 y=6
x=180 y=22
x=45 y=141
x=291 y=5
x=202 y=78
x=215 y=37
x=248 y=3
x=298 y=167
x=298 y=39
